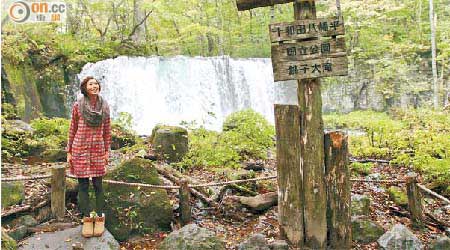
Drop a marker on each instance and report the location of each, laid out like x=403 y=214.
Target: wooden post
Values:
x=58 y=189
x=414 y=199
x=185 y=207
x=289 y=170
x=338 y=191
x=312 y=148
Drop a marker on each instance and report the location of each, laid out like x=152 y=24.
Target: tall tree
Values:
x=433 y=56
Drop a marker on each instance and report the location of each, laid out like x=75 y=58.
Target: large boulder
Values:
x=132 y=211
x=399 y=237
x=365 y=230
x=8 y=243
x=192 y=237
x=12 y=193
x=255 y=242
x=360 y=205
x=170 y=142
x=441 y=243
x=65 y=238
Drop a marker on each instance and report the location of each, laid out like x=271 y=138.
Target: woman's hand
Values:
x=69 y=160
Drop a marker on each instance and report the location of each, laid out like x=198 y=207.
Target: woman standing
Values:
x=88 y=151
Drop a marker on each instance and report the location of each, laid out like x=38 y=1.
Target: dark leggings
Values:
x=83 y=195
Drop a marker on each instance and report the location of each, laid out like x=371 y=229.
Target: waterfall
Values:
x=201 y=89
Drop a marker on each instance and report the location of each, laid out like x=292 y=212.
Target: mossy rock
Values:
x=170 y=142
x=398 y=196
x=365 y=231
x=132 y=211
x=8 y=243
x=192 y=237
x=360 y=204
x=15 y=133
x=12 y=193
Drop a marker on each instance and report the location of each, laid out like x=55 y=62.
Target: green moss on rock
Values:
x=192 y=237
x=365 y=231
x=170 y=142
x=132 y=211
x=398 y=196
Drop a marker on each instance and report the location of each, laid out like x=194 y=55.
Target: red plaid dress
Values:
x=88 y=145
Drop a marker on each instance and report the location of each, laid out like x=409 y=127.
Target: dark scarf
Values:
x=93 y=116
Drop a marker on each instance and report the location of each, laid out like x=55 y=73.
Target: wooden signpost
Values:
x=306 y=59
x=305 y=50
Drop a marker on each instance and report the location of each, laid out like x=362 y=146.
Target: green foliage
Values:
x=208 y=148
x=9 y=112
x=250 y=132
x=361 y=168
x=47 y=139
x=246 y=134
x=124 y=120
x=418 y=138
x=122 y=134
x=44 y=127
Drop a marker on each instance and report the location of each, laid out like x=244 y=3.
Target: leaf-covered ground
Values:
x=235 y=229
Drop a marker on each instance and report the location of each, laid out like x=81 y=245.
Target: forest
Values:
x=197 y=126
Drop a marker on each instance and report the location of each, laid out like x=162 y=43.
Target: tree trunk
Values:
x=433 y=57
x=138 y=15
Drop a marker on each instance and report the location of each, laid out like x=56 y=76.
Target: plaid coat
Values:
x=88 y=145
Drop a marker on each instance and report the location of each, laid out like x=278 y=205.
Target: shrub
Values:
x=246 y=134
x=361 y=168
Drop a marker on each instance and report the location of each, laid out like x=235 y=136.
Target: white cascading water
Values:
x=201 y=89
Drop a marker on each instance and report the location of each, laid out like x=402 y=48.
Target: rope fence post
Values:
x=185 y=207
x=58 y=192
x=414 y=199
x=338 y=186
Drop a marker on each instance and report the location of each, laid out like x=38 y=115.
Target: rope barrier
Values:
x=378 y=181
x=134 y=184
x=422 y=187
x=233 y=182
x=26 y=178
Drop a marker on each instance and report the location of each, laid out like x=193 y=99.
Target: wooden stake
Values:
x=289 y=169
x=58 y=192
x=338 y=191
x=414 y=199
x=185 y=207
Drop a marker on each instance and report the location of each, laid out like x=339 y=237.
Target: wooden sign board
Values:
x=307 y=28
x=307 y=50
x=315 y=68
